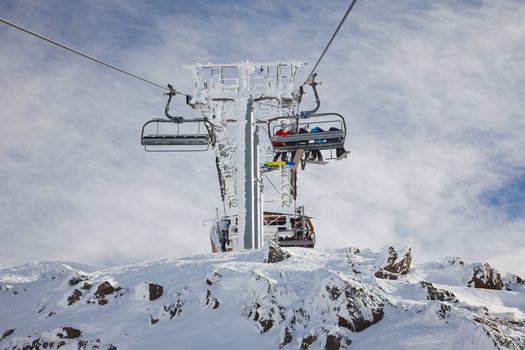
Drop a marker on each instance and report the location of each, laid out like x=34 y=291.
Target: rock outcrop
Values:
x=393 y=268
x=484 y=276
x=155 y=291
x=276 y=253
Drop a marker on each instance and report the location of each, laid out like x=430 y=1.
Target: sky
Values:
x=432 y=93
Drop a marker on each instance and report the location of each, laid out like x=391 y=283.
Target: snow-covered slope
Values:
x=315 y=299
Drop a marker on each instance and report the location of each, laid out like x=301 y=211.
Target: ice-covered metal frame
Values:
x=223 y=82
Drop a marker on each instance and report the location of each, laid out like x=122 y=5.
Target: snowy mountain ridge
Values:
x=312 y=299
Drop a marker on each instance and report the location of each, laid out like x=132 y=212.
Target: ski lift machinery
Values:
x=225 y=93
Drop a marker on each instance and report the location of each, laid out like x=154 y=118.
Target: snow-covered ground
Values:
x=316 y=299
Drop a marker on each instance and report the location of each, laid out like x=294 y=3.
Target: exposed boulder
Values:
x=103 y=291
x=69 y=333
x=276 y=253
x=393 y=268
x=485 y=277
x=155 y=291
x=7 y=334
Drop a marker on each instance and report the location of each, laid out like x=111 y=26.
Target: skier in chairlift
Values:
x=315 y=153
x=283 y=131
x=340 y=151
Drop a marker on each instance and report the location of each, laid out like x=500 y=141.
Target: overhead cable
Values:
x=82 y=54
x=331 y=39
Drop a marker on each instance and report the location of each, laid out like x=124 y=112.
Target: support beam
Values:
x=252 y=214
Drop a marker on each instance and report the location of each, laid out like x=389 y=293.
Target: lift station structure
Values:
x=237 y=102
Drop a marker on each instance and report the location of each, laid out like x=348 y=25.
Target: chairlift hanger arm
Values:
x=313 y=84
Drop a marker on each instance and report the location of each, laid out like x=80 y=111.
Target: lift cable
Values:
x=88 y=57
x=330 y=42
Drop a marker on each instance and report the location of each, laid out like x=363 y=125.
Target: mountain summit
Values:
x=298 y=299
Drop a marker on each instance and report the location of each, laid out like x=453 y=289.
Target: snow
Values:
x=227 y=300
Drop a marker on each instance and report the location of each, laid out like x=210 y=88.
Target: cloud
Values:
x=432 y=94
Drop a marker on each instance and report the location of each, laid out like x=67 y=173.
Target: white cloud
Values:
x=432 y=96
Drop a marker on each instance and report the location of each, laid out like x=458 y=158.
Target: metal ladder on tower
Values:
x=225 y=153
x=286 y=186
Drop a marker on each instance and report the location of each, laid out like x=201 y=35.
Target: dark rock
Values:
x=485 y=277
x=7 y=334
x=111 y=347
x=213 y=278
x=104 y=289
x=77 y=279
x=276 y=253
x=444 y=311
x=70 y=333
x=153 y=320
x=385 y=275
x=73 y=298
x=155 y=291
x=86 y=286
x=287 y=337
x=173 y=310
x=307 y=341
x=334 y=292
x=266 y=325
x=504 y=334
x=437 y=294
x=211 y=301
x=52 y=313
x=332 y=342
x=402 y=266
x=456 y=260
x=394 y=268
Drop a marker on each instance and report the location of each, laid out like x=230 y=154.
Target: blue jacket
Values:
x=318 y=129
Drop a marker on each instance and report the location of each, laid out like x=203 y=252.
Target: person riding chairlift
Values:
x=340 y=150
x=315 y=153
x=300 y=131
x=281 y=132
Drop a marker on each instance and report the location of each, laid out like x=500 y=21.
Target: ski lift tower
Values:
x=249 y=94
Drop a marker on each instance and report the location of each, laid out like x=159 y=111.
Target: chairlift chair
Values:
x=172 y=134
x=165 y=135
x=324 y=140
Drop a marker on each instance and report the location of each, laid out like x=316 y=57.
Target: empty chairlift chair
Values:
x=176 y=134
x=167 y=135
